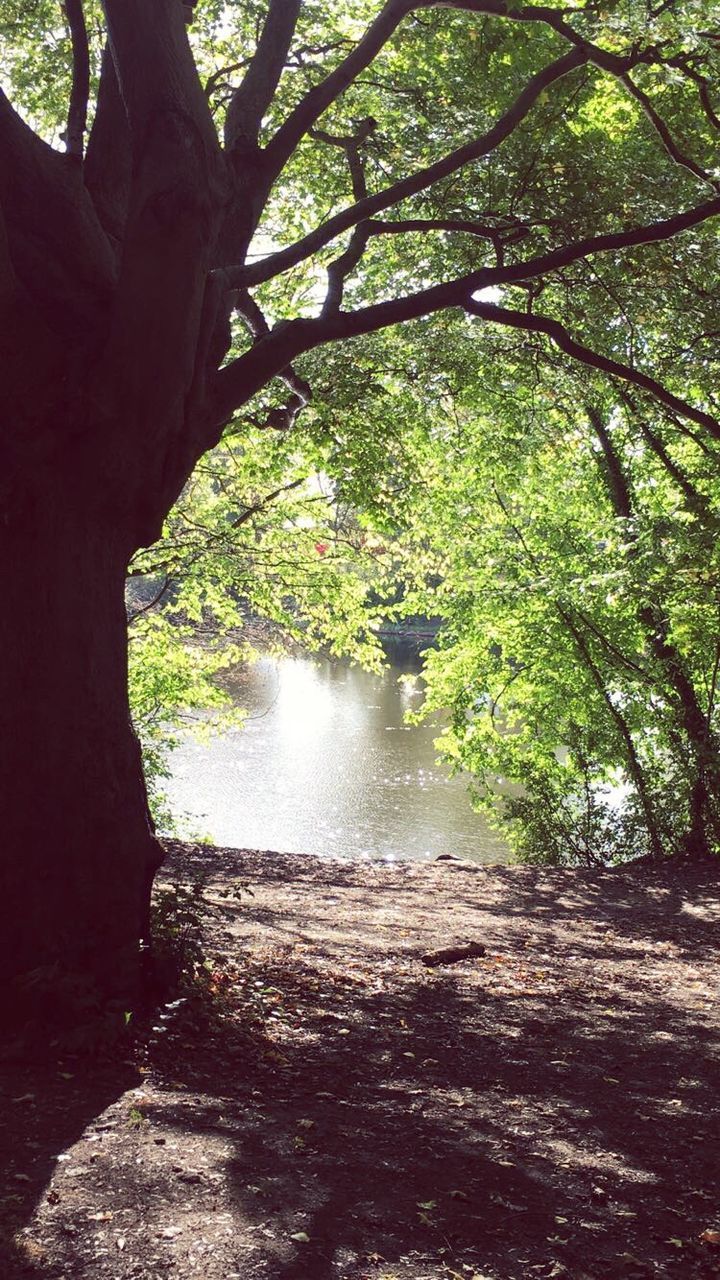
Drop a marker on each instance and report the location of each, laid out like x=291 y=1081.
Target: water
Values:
x=326 y=765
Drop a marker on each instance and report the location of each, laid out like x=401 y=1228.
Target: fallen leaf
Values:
x=710 y=1237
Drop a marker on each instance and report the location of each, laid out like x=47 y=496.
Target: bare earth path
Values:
x=547 y=1110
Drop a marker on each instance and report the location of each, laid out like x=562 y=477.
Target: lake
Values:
x=325 y=764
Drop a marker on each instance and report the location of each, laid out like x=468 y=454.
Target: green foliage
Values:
x=178 y=924
x=455 y=466
x=260 y=534
x=579 y=640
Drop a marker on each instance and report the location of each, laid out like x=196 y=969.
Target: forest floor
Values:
x=549 y=1109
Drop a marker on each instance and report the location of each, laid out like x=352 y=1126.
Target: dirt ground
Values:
x=549 y=1109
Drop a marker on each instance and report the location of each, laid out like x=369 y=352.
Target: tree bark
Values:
x=78 y=852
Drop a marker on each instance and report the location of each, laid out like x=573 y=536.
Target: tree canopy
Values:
x=213 y=219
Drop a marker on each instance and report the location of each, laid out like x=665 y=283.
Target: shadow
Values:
x=44 y=1110
x=550 y=1110
x=454 y=1129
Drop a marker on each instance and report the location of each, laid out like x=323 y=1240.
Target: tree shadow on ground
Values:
x=45 y=1108
x=376 y=1119
x=455 y=1129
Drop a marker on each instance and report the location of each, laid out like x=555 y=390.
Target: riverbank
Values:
x=549 y=1109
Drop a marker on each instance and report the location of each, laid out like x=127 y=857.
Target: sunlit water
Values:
x=325 y=764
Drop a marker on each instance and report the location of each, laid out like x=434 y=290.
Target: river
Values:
x=325 y=764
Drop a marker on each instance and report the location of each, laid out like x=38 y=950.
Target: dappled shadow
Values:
x=550 y=1109
x=613 y=910
x=496 y=1141
x=451 y=1126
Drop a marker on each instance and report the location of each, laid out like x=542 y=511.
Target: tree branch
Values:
x=108 y=162
x=669 y=143
x=339 y=270
x=240 y=379
x=284 y=259
x=308 y=112
x=284 y=417
x=250 y=102
x=534 y=323
x=77 y=111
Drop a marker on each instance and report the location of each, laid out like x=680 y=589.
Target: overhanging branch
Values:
x=553 y=329
x=284 y=259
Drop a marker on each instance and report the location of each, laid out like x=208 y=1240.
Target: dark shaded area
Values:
x=44 y=1109
x=550 y=1109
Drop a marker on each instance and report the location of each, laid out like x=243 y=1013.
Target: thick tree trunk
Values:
x=78 y=853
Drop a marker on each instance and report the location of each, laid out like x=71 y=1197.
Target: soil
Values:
x=547 y=1109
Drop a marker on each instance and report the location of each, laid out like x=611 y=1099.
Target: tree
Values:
x=568 y=537
x=156 y=280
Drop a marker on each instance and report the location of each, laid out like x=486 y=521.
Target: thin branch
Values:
x=557 y=332
x=403 y=226
x=308 y=112
x=651 y=233
x=280 y=418
x=576 y=250
x=663 y=132
x=260 y=505
x=217 y=77
x=145 y=608
x=242 y=377
x=74 y=135
x=281 y=261
x=381 y=30
x=343 y=266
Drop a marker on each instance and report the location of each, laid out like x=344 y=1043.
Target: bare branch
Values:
x=553 y=329
x=250 y=102
x=74 y=136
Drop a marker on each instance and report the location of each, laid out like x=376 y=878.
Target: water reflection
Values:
x=325 y=764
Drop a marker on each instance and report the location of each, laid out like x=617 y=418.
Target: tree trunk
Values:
x=78 y=853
